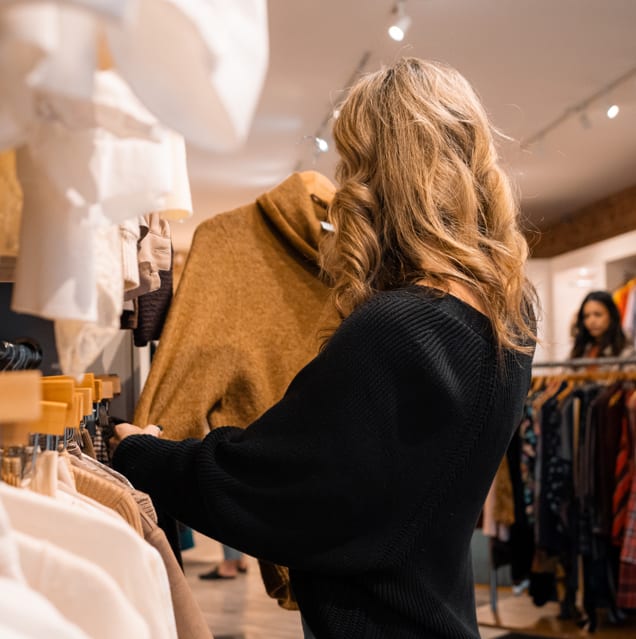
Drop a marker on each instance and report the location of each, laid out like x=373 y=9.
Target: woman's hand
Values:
x=124 y=430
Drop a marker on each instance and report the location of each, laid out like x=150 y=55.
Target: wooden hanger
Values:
x=104 y=56
x=567 y=389
x=91 y=381
x=23 y=409
x=536 y=384
x=114 y=380
x=20 y=396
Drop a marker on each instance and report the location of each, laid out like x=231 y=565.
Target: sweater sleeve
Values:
x=174 y=395
x=328 y=478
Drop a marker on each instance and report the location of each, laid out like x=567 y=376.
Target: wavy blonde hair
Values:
x=422 y=197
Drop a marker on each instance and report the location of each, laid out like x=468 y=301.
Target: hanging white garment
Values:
x=80 y=342
x=55 y=271
x=198 y=65
x=94 y=155
x=154 y=254
x=84 y=593
x=27 y=37
x=69 y=272
x=67 y=70
x=9 y=555
x=111 y=9
x=108 y=158
x=135 y=566
x=26 y=614
x=23 y=612
x=85 y=170
x=177 y=204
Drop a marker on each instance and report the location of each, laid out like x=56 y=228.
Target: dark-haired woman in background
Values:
x=598 y=331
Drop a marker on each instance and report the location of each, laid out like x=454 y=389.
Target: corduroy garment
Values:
x=367 y=478
x=245 y=318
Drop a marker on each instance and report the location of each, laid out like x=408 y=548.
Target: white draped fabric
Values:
x=99 y=148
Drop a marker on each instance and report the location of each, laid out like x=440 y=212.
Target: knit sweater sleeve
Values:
x=331 y=476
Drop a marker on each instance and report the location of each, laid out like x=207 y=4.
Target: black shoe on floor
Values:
x=214 y=574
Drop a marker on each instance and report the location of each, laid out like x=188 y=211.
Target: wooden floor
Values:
x=519 y=614
x=240 y=609
x=236 y=608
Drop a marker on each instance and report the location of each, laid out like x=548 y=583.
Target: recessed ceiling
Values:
x=531 y=61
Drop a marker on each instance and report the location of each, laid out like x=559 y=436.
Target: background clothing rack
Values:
x=566 y=363
x=585 y=361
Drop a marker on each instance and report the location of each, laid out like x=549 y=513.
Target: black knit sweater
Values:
x=368 y=477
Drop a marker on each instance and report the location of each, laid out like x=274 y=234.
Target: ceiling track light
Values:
x=581 y=110
x=584 y=119
x=402 y=22
x=321 y=144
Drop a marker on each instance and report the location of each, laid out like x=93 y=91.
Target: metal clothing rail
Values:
x=20 y=354
x=586 y=361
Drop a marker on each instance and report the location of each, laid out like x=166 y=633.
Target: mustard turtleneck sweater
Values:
x=246 y=317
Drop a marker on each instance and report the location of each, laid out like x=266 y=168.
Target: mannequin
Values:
x=321 y=191
x=255 y=304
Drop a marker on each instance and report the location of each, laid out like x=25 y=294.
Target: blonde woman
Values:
x=367 y=478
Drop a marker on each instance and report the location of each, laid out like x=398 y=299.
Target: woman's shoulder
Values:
x=419 y=308
x=397 y=304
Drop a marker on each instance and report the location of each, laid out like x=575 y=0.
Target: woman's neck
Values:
x=459 y=290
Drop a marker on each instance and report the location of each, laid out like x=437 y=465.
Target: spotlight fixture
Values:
x=579 y=109
x=401 y=25
x=321 y=144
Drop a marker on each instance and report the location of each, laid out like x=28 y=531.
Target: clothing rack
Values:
x=20 y=354
x=586 y=361
x=596 y=374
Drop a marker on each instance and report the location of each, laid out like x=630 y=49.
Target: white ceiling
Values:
x=530 y=60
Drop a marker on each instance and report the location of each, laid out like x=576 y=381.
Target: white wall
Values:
x=563 y=281
x=132 y=364
x=540 y=274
